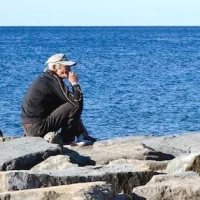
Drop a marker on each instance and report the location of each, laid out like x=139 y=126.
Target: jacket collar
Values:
x=50 y=72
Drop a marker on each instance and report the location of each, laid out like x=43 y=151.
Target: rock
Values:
x=25 y=152
x=129 y=163
x=175 y=186
x=143 y=164
x=103 y=152
x=79 y=191
x=189 y=162
x=173 y=176
x=76 y=158
x=123 y=177
x=55 y=163
x=64 y=162
x=175 y=144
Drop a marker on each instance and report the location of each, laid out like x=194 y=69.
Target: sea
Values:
x=135 y=80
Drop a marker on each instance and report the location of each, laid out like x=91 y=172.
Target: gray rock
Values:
x=124 y=178
x=173 y=176
x=174 y=186
x=175 y=144
x=143 y=164
x=25 y=152
x=55 y=163
x=64 y=162
x=79 y=191
x=188 y=162
x=103 y=152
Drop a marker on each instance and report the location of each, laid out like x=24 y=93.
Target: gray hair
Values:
x=51 y=66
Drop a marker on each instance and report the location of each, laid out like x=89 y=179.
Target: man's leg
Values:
x=64 y=116
x=70 y=130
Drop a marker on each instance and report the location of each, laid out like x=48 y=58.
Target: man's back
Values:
x=41 y=99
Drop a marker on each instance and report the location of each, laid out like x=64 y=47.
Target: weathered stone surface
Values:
x=102 y=152
x=79 y=191
x=25 y=152
x=142 y=164
x=77 y=158
x=175 y=144
x=173 y=176
x=124 y=178
x=188 y=162
x=55 y=163
x=64 y=162
x=175 y=186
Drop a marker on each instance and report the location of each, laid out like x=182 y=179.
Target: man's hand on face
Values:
x=73 y=78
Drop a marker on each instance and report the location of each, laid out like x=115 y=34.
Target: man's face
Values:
x=63 y=71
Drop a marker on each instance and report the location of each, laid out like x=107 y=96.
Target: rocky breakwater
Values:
x=122 y=168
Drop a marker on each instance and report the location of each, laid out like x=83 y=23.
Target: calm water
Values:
x=136 y=80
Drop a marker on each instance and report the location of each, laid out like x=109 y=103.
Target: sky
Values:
x=99 y=12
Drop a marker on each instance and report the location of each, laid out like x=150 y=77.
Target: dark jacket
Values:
x=46 y=94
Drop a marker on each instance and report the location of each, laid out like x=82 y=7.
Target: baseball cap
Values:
x=60 y=58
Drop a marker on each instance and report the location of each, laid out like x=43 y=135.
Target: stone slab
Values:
x=174 y=186
x=79 y=191
x=25 y=152
x=124 y=178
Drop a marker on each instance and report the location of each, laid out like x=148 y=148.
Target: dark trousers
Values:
x=66 y=117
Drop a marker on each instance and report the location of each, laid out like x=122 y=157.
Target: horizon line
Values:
x=99 y=25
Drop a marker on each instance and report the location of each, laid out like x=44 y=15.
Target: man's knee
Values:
x=71 y=109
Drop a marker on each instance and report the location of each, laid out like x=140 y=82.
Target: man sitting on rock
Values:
x=49 y=105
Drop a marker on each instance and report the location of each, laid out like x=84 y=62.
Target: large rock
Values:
x=124 y=178
x=175 y=144
x=25 y=152
x=55 y=163
x=63 y=162
x=79 y=191
x=175 y=186
x=142 y=164
x=103 y=152
x=190 y=162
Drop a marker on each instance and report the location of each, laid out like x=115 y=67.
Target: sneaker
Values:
x=80 y=140
x=87 y=137
x=80 y=144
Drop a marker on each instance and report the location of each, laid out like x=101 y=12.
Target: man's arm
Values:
x=76 y=94
x=61 y=90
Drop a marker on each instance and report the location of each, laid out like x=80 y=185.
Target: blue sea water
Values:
x=135 y=80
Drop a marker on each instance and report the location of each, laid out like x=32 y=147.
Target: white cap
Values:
x=60 y=58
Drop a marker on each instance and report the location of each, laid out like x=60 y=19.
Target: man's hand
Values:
x=73 y=78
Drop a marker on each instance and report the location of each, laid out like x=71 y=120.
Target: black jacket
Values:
x=46 y=94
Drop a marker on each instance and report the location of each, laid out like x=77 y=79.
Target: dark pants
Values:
x=66 y=117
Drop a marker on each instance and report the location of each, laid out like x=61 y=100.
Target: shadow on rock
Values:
x=158 y=156
x=78 y=159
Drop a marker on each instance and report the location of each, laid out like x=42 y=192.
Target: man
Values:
x=49 y=106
